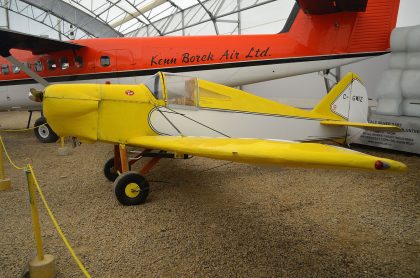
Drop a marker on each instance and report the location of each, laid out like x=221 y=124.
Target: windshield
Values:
x=153 y=84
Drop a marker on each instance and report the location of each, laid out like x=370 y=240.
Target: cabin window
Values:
x=51 y=64
x=28 y=65
x=105 y=61
x=64 y=64
x=5 y=69
x=16 y=69
x=78 y=61
x=38 y=66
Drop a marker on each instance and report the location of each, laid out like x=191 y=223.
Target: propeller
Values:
x=36 y=95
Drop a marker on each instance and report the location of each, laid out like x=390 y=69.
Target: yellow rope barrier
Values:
x=8 y=156
x=21 y=129
x=57 y=227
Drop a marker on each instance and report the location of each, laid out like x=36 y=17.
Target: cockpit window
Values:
x=181 y=90
x=153 y=84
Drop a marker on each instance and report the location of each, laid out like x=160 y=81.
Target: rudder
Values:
x=346 y=26
x=347 y=101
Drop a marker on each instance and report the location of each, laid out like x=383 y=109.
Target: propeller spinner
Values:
x=36 y=95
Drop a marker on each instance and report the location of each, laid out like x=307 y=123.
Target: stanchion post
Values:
x=63 y=150
x=4 y=182
x=43 y=265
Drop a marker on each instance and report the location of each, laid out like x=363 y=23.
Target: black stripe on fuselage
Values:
x=146 y=72
x=315 y=139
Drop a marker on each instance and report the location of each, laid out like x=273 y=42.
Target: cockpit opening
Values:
x=176 y=90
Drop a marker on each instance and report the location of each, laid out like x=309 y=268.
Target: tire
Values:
x=44 y=133
x=131 y=189
x=109 y=171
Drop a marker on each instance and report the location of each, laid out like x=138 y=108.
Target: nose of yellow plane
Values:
x=72 y=109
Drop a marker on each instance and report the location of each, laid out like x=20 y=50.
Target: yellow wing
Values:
x=368 y=126
x=268 y=152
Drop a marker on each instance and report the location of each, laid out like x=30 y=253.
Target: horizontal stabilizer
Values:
x=259 y=151
x=38 y=45
x=367 y=126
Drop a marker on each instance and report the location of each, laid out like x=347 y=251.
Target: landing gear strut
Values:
x=131 y=188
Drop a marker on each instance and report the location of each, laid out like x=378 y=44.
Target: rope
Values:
x=21 y=129
x=57 y=227
x=44 y=201
x=8 y=156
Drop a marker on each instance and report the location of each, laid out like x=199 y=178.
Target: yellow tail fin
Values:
x=347 y=100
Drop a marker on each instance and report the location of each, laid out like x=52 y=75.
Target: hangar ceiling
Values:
x=75 y=19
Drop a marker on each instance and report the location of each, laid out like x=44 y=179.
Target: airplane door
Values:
x=126 y=66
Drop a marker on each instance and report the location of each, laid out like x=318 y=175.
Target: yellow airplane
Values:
x=175 y=116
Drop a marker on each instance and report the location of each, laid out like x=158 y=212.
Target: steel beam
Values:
x=75 y=16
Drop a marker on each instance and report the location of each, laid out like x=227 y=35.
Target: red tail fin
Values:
x=345 y=26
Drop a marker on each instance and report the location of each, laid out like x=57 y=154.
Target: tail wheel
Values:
x=110 y=171
x=131 y=189
x=43 y=131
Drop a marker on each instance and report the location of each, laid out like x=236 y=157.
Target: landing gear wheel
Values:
x=109 y=170
x=44 y=133
x=131 y=189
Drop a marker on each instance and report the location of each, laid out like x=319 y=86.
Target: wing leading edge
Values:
x=258 y=151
